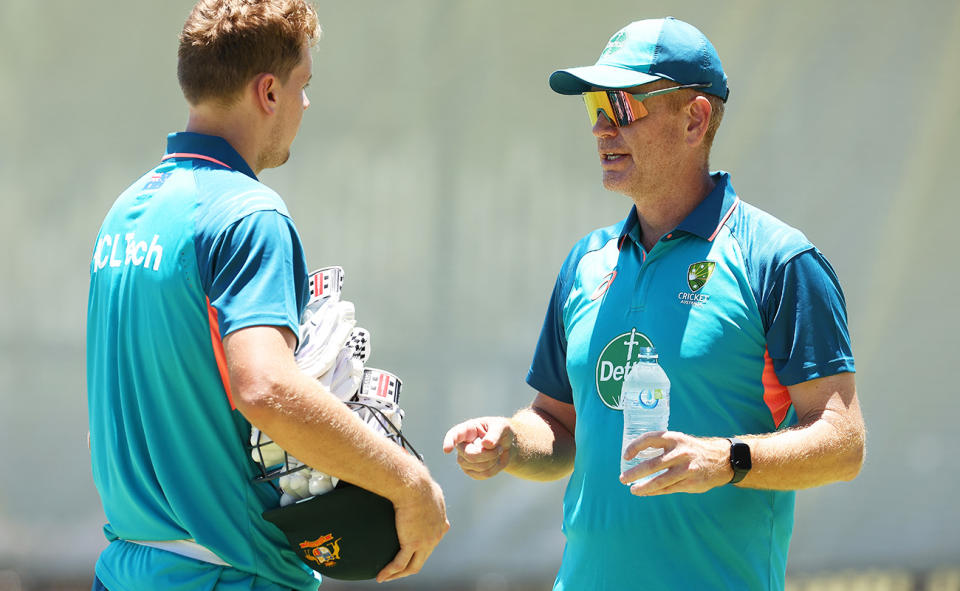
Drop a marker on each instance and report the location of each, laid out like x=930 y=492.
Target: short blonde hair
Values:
x=225 y=43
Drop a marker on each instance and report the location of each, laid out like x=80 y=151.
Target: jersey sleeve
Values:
x=548 y=371
x=257 y=273
x=808 y=336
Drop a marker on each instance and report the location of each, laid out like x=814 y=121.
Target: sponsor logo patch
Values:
x=616 y=359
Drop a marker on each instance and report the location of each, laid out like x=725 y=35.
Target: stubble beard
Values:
x=276 y=154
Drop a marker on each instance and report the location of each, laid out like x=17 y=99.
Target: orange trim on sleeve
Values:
x=775 y=395
x=218 y=353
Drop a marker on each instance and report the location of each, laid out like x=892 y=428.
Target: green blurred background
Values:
x=436 y=167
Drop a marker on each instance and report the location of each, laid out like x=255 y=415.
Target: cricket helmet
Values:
x=348 y=533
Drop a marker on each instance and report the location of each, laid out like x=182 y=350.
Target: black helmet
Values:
x=348 y=533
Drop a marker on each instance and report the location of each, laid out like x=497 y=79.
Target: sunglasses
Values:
x=622 y=108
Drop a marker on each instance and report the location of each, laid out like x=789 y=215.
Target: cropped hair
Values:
x=679 y=99
x=226 y=43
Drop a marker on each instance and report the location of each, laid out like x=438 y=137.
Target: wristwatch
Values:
x=739 y=459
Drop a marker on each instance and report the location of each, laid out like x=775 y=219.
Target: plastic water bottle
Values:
x=645 y=399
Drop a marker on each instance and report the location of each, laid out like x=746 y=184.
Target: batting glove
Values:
x=323 y=335
x=343 y=379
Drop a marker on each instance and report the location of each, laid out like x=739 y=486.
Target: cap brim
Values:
x=580 y=80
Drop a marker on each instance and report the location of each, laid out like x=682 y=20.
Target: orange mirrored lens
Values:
x=618 y=105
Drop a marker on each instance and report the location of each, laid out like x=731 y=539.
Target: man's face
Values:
x=636 y=158
x=292 y=101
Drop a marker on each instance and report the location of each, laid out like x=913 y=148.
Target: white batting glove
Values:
x=380 y=389
x=323 y=334
x=325 y=283
x=343 y=379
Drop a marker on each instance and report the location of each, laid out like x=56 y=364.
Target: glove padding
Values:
x=344 y=378
x=332 y=350
x=325 y=330
x=380 y=389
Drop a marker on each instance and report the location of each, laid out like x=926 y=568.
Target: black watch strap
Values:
x=739 y=459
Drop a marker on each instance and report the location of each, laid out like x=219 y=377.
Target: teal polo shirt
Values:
x=193 y=250
x=739 y=305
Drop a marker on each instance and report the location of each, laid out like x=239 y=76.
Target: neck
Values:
x=230 y=124
x=661 y=209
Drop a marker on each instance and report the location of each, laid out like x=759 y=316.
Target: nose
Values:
x=604 y=127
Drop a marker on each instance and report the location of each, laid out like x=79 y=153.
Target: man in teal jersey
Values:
x=750 y=325
x=198 y=281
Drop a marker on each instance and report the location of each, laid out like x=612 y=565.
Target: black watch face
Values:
x=740 y=456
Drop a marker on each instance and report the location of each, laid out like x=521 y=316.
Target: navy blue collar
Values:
x=704 y=221
x=210 y=148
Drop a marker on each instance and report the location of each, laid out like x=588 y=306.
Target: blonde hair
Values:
x=225 y=43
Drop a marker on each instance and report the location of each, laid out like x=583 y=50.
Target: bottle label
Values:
x=651 y=398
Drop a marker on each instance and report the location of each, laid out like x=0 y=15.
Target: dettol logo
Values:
x=615 y=361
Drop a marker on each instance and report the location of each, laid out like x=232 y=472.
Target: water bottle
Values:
x=645 y=399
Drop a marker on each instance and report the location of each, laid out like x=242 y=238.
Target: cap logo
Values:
x=325 y=551
x=615 y=43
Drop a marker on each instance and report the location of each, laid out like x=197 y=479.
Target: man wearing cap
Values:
x=749 y=322
x=197 y=286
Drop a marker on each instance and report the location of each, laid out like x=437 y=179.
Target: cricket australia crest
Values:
x=699 y=273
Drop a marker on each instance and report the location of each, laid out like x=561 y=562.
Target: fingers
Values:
x=421 y=524
x=688 y=464
x=398 y=567
x=654 y=439
x=483 y=466
x=483 y=446
x=490 y=431
x=462 y=433
x=405 y=564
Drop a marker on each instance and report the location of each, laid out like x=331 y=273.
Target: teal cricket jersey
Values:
x=193 y=250
x=738 y=305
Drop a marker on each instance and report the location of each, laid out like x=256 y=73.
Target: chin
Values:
x=275 y=160
x=611 y=184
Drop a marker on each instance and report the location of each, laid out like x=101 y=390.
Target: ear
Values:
x=265 y=87
x=698 y=120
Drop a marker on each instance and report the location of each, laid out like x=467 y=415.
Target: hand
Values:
x=693 y=464
x=421 y=524
x=483 y=445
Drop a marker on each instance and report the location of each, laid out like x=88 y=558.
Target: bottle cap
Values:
x=648 y=352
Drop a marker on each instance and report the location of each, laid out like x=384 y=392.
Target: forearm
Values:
x=543 y=449
x=322 y=432
x=826 y=445
x=827 y=449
